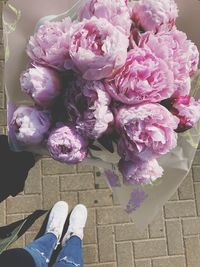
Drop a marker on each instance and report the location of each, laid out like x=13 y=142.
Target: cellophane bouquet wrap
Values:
x=109 y=83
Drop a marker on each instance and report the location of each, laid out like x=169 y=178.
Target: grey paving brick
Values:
x=106 y=244
x=33 y=183
x=157 y=228
x=197 y=158
x=176 y=209
x=143 y=263
x=51 y=193
x=90 y=253
x=84 y=168
x=70 y=197
x=77 y=182
x=191 y=226
x=174 y=237
x=196 y=173
x=129 y=232
x=150 y=248
x=125 y=254
x=3 y=118
x=197 y=197
x=176 y=261
x=96 y=198
x=186 y=190
x=111 y=215
x=2 y=213
x=23 y=204
x=52 y=167
x=90 y=235
x=192 y=247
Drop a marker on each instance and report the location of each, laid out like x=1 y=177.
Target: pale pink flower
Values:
x=178 y=52
x=116 y=12
x=143 y=78
x=49 y=46
x=97 y=48
x=147 y=131
x=140 y=172
x=42 y=84
x=155 y=15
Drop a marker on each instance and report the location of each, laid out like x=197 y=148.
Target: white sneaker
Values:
x=57 y=219
x=77 y=222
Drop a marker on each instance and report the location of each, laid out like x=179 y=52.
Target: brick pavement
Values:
x=172 y=240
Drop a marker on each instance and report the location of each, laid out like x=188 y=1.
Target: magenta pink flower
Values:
x=155 y=15
x=42 y=84
x=147 y=131
x=143 y=78
x=65 y=144
x=30 y=125
x=187 y=109
x=97 y=48
x=116 y=12
x=140 y=172
x=181 y=55
x=50 y=45
x=88 y=104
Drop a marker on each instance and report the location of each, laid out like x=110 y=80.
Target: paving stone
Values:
x=125 y=254
x=174 y=197
x=96 y=198
x=24 y=204
x=2 y=101
x=51 y=192
x=77 y=182
x=29 y=237
x=174 y=237
x=177 y=209
x=1 y=76
x=33 y=182
x=3 y=117
x=90 y=253
x=100 y=181
x=129 y=232
x=91 y=220
x=196 y=173
x=192 y=247
x=150 y=248
x=191 y=226
x=176 y=261
x=90 y=235
x=109 y=264
x=111 y=215
x=71 y=198
x=197 y=158
x=106 y=244
x=143 y=263
x=186 y=190
x=157 y=228
x=197 y=196
x=84 y=168
x=2 y=213
x=52 y=167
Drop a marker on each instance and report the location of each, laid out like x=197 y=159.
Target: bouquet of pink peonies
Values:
x=109 y=83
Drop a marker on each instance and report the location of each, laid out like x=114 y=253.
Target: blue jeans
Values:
x=70 y=256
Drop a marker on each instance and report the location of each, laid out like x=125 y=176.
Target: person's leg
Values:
x=42 y=248
x=71 y=254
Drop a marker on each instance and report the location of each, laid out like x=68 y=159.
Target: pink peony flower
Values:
x=147 y=131
x=88 y=104
x=42 y=84
x=97 y=48
x=65 y=144
x=155 y=15
x=187 y=109
x=181 y=55
x=50 y=45
x=116 y=12
x=143 y=78
x=140 y=172
x=30 y=125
